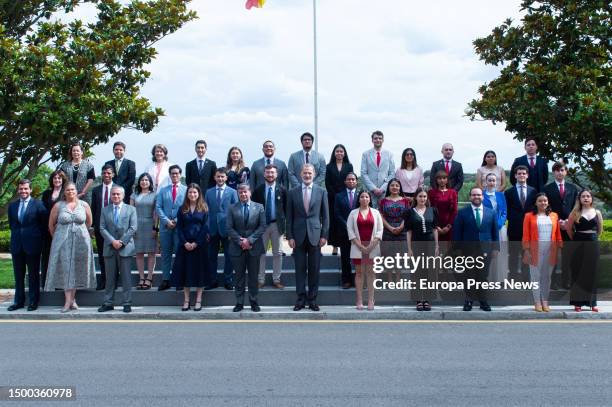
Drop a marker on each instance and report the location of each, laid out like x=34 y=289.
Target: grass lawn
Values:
x=6 y=274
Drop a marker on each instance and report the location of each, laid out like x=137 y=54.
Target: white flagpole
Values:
x=316 y=105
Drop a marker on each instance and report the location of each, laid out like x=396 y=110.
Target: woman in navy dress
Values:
x=189 y=269
x=237 y=172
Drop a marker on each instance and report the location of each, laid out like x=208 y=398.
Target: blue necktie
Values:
x=245 y=213
x=22 y=211
x=218 y=197
x=269 y=206
x=268 y=161
x=116 y=214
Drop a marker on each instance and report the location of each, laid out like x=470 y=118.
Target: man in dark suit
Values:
x=562 y=198
x=536 y=165
x=219 y=198
x=258 y=178
x=453 y=168
x=520 y=199
x=28 y=222
x=100 y=199
x=476 y=235
x=246 y=223
x=307 y=232
x=201 y=170
x=273 y=196
x=125 y=170
x=344 y=202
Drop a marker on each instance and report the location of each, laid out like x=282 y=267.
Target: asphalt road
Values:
x=320 y=364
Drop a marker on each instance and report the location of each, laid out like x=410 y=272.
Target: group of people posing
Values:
x=312 y=203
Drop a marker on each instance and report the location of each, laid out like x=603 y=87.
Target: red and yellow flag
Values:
x=254 y=3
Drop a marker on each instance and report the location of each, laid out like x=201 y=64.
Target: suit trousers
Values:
x=169 y=242
x=100 y=250
x=307 y=267
x=213 y=261
x=345 y=260
x=271 y=234
x=117 y=265
x=474 y=293
x=243 y=264
x=516 y=267
x=20 y=261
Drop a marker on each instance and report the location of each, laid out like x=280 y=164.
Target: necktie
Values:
x=307 y=157
x=105 y=196
x=478 y=217
x=269 y=206
x=173 y=193
x=306 y=200
x=351 y=199
x=117 y=166
x=531 y=162
x=562 y=190
x=523 y=199
x=218 y=197
x=447 y=167
x=116 y=214
x=22 y=211
x=268 y=162
x=378 y=158
x=245 y=213
x=199 y=165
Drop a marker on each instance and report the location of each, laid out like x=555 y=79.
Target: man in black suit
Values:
x=520 y=199
x=273 y=196
x=201 y=170
x=562 y=198
x=537 y=166
x=344 y=202
x=453 y=168
x=257 y=176
x=100 y=199
x=125 y=170
x=28 y=222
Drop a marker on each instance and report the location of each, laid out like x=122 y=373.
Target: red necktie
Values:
x=173 y=192
x=105 y=196
x=531 y=162
x=378 y=158
x=447 y=167
x=561 y=190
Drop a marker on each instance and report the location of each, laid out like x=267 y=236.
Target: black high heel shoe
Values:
x=186 y=308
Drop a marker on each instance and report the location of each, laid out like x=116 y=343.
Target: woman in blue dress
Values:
x=495 y=200
x=237 y=172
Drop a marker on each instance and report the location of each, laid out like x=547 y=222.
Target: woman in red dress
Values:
x=444 y=199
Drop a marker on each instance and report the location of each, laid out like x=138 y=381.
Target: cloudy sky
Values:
x=407 y=68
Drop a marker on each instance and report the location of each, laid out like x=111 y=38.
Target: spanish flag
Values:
x=254 y=3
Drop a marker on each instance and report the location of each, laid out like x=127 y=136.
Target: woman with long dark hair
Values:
x=409 y=174
x=444 y=198
x=160 y=166
x=79 y=170
x=50 y=197
x=338 y=166
x=237 y=172
x=488 y=166
x=145 y=238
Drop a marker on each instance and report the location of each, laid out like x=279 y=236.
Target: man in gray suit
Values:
x=117 y=226
x=258 y=178
x=246 y=223
x=306 y=156
x=307 y=232
x=377 y=168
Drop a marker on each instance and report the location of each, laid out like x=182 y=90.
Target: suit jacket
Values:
x=126 y=176
x=257 y=173
x=516 y=213
x=531 y=238
x=334 y=179
x=96 y=205
x=280 y=199
x=294 y=167
x=165 y=208
x=252 y=230
x=205 y=179
x=28 y=234
x=502 y=210
x=538 y=175
x=455 y=177
x=124 y=230
x=315 y=224
x=374 y=176
x=466 y=232
x=217 y=214
x=342 y=209
x=562 y=207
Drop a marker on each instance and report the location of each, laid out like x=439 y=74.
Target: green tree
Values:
x=554 y=84
x=63 y=79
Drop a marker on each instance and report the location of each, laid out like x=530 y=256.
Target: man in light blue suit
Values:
x=306 y=156
x=377 y=168
x=167 y=204
x=476 y=235
x=219 y=198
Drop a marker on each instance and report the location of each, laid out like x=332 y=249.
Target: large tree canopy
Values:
x=554 y=84
x=63 y=79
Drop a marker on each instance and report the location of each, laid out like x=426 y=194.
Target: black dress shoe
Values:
x=313 y=307
x=165 y=284
x=105 y=308
x=228 y=287
x=32 y=307
x=179 y=288
x=298 y=307
x=255 y=307
x=127 y=308
x=100 y=286
x=485 y=306
x=14 y=307
x=467 y=306
x=238 y=308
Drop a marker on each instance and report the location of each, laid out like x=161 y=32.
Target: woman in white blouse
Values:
x=409 y=174
x=158 y=169
x=489 y=166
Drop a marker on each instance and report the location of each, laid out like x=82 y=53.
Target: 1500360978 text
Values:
x=24 y=393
